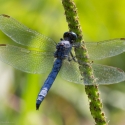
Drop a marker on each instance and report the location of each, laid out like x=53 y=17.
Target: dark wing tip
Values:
x=2 y=44
x=122 y=38
x=120 y=70
x=5 y=15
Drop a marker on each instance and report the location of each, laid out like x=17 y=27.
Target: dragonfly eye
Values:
x=70 y=36
x=73 y=36
x=66 y=34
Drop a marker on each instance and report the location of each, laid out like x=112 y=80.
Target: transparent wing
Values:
x=104 y=49
x=107 y=74
x=25 y=36
x=30 y=61
x=104 y=74
x=70 y=71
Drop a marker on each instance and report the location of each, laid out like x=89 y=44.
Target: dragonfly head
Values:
x=70 y=36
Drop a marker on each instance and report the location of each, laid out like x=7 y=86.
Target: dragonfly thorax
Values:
x=63 y=49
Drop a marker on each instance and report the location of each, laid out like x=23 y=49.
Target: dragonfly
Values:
x=40 y=54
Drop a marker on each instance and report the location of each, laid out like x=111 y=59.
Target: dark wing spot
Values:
x=5 y=15
x=122 y=38
x=120 y=70
x=2 y=44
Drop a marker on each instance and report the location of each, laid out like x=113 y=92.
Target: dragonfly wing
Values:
x=25 y=36
x=105 y=49
x=103 y=74
x=70 y=72
x=30 y=61
x=107 y=74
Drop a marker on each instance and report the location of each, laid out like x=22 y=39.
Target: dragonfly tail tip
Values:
x=37 y=106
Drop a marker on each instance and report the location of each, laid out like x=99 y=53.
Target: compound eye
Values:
x=73 y=36
x=66 y=34
x=70 y=35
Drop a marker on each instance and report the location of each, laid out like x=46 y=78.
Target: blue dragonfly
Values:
x=39 y=53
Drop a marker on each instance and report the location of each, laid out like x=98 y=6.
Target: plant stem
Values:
x=84 y=63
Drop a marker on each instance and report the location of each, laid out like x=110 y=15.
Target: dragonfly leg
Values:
x=69 y=58
x=72 y=57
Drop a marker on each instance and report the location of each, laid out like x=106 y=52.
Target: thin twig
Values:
x=86 y=70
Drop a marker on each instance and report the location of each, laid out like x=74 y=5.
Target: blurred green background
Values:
x=66 y=103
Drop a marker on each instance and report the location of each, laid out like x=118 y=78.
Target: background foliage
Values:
x=66 y=103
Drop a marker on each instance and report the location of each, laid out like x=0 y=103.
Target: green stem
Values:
x=84 y=63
